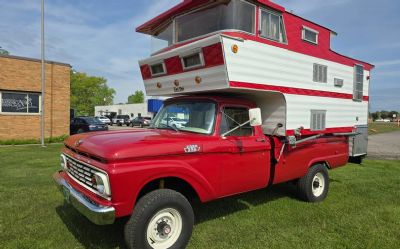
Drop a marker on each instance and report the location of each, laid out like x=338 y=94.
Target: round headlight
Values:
x=63 y=162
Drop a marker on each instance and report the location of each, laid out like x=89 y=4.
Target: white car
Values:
x=104 y=120
x=179 y=123
x=383 y=120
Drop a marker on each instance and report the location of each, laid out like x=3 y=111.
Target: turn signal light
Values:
x=159 y=85
x=235 y=48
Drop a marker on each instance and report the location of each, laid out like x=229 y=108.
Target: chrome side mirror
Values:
x=255 y=117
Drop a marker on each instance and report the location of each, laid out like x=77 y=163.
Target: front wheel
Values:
x=162 y=219
x=314 y=186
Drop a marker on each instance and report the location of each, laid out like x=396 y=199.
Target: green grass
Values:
x=361 y=211
x=377 y=128
x=52 y=140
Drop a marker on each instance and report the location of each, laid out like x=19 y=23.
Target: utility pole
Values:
x=42 y=123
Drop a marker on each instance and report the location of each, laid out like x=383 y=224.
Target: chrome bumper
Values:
x=97 y=214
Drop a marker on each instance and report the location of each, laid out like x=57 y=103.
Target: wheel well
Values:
x=172 y=183
x=321 y=162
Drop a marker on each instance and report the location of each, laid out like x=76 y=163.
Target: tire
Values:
x=314 y=186
x=144 y=229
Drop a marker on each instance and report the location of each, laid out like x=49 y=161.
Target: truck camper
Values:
x=257 y=97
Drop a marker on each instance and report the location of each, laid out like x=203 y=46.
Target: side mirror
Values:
x=255 y=117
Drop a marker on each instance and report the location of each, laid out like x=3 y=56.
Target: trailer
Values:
x=256 y=98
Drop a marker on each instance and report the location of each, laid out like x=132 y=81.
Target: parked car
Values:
x=383 y=120
x=179 y=123
x=141 y=121
x=121 y=120
x=86 y=124
x=104 y=120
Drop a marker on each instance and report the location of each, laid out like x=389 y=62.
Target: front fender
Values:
x=127 y=180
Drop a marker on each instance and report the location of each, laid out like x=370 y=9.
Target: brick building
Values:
x=20 y=98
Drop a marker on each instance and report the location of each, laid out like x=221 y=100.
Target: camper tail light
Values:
x=198 y=79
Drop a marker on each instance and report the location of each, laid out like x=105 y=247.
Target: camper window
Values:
x=310 y=35
x=320 y=73
x=272 y=26
x=358 y=83
x=234 y=14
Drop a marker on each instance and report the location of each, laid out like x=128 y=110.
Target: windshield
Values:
x=234 y=14
x=197 y=117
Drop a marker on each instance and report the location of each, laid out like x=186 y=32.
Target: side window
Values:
x=272 y=27
x=320 y=73
x=232 y=117
x=358 y=83
x=309 y=35
x=318 y=120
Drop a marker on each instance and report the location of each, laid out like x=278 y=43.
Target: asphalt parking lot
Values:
x=384 y=146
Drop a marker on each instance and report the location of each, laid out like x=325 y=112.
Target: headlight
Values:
x=102 y=184
x=63 y=161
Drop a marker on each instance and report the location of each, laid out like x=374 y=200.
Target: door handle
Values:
x=261 y=140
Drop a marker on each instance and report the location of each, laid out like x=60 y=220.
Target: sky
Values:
x=98 y=37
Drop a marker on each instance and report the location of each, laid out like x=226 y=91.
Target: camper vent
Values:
x=158 y=69
x=339 y=82
x=192 y=61
x=320 y=73
x=318 y=120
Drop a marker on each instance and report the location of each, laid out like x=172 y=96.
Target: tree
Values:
x=3 y=52
x=375 y=115
x=136 y=98
x=384 y=114
x=88 y=92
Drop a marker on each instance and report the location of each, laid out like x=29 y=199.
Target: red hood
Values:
x=120 y=145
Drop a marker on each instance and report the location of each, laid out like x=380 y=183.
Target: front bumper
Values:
x=99 y=215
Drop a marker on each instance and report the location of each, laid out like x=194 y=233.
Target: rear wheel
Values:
x=162 y=219
x=314 y=186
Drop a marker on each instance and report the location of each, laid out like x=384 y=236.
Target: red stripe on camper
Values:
x=294 y=91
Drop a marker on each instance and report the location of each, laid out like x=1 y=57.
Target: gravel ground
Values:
x=384 y=146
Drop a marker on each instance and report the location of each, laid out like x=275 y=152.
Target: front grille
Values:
x=81 y=173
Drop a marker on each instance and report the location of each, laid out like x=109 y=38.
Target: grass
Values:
x=377 y=128
x=361 y=211
x=52 y=140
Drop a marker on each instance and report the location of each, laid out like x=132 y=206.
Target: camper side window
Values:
x=272 y=27
x=318 y=120
x=320 y=73
x=358 y=83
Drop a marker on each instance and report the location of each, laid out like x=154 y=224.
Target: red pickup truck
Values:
x=217 y=149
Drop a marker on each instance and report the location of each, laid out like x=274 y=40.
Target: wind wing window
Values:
x=358 y=83
x=272 y=26
x=232 y=118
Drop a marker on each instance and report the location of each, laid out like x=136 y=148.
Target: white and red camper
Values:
x=257 y=48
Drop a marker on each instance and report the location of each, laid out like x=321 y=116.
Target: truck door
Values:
x=245 y=165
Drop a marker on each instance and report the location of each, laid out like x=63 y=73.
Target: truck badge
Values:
x=78 y=143
x=192 y=148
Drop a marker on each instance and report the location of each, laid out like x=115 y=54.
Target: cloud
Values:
x=387 y=63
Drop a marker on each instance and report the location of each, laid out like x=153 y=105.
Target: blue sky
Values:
x=97 y=36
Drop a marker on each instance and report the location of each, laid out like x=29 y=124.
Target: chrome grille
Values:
x=81 y=173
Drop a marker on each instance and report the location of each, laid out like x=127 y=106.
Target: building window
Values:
x=338 y=82
x=18 y=102
x=320 y=73
x=358 y=83
x=310 y=35
x=318 y=120
x=272 y=27
x=232 y=118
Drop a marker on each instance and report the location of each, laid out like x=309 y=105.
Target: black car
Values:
x=86 y=124
x=141 y=121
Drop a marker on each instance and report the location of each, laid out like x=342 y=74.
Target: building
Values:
x=20 y=98
x=147 y=109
